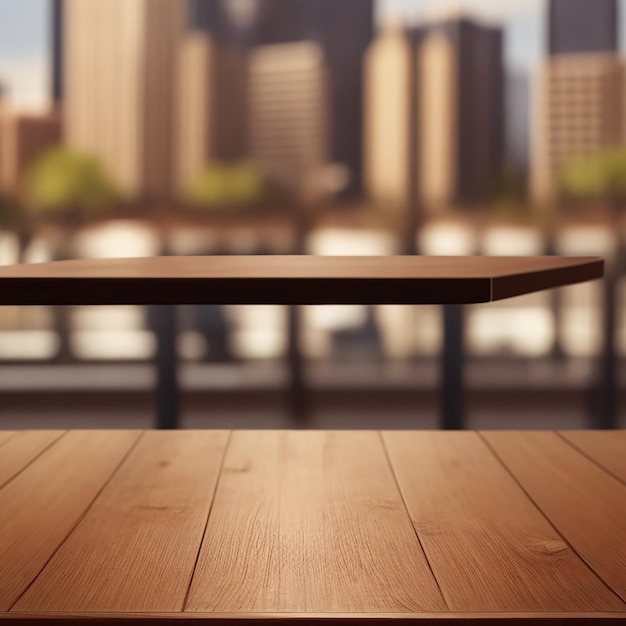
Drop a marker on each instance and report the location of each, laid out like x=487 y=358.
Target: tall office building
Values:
x=119 y=65
x=445 y=92
x=212 y=95
x=56 y=56
x=580 y=97
x=255 y=23
x=343 y=29
x=390 y=118
x=461 y=112
x=581 y=26
x=289 y=128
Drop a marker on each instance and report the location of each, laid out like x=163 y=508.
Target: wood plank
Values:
x=22 y=449
x=136 y=548
x=5 y=435
x=586 y=504
x=310 y=522
x=317 y=619
x=40 y=507
x=488 y=545
x=607 y=449
x=290 y=279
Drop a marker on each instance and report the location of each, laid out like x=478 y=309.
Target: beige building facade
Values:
x=119 y=65
x=434 y=118
x=212 y=105
x=579 y=110
x=289 y=116
x=388 y=129
x=437 y=104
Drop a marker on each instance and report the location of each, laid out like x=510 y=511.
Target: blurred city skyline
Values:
x=25 y=33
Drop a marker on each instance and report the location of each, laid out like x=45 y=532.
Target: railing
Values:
x=458 y=324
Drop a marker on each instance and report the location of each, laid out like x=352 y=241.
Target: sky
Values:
x=24 y=36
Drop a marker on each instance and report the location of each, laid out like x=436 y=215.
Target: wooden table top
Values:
x=290 y=279
x=268 y=526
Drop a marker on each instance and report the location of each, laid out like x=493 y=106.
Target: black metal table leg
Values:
x=452 y=387
x=606 y=407
x=298 y=401
x=166 y=367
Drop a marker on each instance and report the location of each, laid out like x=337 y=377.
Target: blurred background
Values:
x=330 y=127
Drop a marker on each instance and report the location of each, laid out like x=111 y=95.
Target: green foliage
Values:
x=62 y=180
x=598 y=177
x=12 y=217
x=223 y=185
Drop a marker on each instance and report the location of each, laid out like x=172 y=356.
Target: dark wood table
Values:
x=293 y=280
x=319 y=528
x=290 y=280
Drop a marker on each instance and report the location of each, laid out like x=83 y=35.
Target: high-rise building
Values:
x=327 y=23
x=212 y=96
x=579 y=111
x=254 y=23
x=119 y=66
x=581 y=26
x=461 y=112
x=56 y=56
x=390 y=131
x=435 y=99
x=580 y=91
x=24 y=137
x=289 y=129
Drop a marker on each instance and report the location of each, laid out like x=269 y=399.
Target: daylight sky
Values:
x=24 y=36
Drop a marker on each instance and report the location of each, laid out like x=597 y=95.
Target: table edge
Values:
x=441 y=618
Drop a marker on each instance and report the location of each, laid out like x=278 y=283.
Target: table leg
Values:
x=166 y=393
x=606 y=409
x=298 y=401
x=452 y=360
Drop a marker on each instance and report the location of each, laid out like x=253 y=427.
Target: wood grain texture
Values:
x=290 y=280
x=5 y=435
x=22 y=449
x=136 y=548
x=489 y=547
x=323 y=619
x=607 y=449
x=41 y=506
x=585 y=503
x=310 y=522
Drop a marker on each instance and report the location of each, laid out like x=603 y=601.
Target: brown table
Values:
x=293 y=280
x=312 y=527
x=290 y=280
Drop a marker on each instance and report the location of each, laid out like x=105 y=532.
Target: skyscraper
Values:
x=326 y=22
x=435 y=114
x=57 y=51
x=579 y=108
x=390 y=119
x=461 y=111
x=289 y=130
x=581 y=26
x=254 y=23
x=212 y=94
x=119 y=67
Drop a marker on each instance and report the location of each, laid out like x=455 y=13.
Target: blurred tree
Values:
x=239 y=185
x=509 y=195
x=14 y=219
x=600 y=177
x=69 y=184
x=73 y=188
